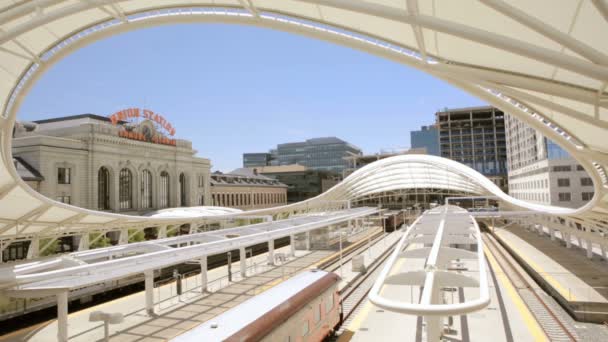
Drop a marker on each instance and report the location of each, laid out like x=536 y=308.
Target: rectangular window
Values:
x=305 y=328
x=329 y=303
x=64 y=175
x=563 y=182
x=564 y=197
x=562 y=168
x=64 y=199
x=317 y=314
x=587 y=196
x=586 y=181
x=580 y=168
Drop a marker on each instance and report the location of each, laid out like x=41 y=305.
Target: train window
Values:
x=317 y=314
x=305 y=328
x=329 y=303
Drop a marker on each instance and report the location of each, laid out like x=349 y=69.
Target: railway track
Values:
x=349 y=252
x=355 y=293
x=548 y=319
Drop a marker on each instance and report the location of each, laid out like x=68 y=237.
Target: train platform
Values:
x=506 y=318
x=176 y=314
x=578 y=282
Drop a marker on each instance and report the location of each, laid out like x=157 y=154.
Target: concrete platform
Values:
x=506 y=318
x=577 y=282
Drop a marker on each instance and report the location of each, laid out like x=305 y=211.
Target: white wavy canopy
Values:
x=541 y=61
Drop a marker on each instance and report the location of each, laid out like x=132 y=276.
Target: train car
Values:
x=304 y=308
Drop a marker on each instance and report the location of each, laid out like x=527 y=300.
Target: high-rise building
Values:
x=427 y=137
x=256 y=159
x=323 y=154
x=541 y=171
x=475 y=137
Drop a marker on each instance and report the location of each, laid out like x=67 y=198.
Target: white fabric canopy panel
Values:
x=544 y=63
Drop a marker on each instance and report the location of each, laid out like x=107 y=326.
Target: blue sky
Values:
x=234 y=89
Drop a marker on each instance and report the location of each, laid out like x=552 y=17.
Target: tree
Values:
x=102 y=242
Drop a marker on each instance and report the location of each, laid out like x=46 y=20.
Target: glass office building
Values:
x=322 y=154
x=325 y=154
x=427 y=137
x=256 y=159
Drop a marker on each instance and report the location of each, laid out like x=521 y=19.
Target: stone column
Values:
x=292 y=240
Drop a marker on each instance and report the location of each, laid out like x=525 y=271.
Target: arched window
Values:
x=103 y=189
x=146 y=189
x=182 y=190
x=163 y=190
x=125 y=189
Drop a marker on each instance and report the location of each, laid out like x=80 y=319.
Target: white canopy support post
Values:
x=243 y=262
x=83 y=244
x=124 y=236
x=589 y=249
x=193 y=228
x=552 y=233
x=149 y=284
x=308 y=241
x=292 y=240
x=34 y=248
x=62 y=316
x=341 y=260
x=162 y=232
x=271 y=252
x=203 y=262
x=603 y=249
x=568 y=239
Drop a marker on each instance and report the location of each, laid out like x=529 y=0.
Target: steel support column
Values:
x=243 y=261
x=271 y=252
x=203 y=263
x=62 y=316
x=149 y=284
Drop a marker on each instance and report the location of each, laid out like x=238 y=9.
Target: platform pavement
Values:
x=568 y=270
x=505 y=319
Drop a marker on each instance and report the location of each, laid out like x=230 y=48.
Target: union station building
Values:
x=127 y=163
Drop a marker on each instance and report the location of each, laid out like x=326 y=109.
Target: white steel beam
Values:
x=602 y=7
x=498 y=41
x=539 y=26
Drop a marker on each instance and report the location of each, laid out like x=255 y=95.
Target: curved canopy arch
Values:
x=548 y=68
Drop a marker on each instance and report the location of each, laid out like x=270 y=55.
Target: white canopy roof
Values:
x=543 y=62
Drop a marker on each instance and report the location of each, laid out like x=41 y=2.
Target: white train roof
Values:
x=544 y=63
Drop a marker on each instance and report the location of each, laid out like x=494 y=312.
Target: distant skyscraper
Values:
x=427 y=137
x=541 y=171
x=475 y=137
x=326 y=154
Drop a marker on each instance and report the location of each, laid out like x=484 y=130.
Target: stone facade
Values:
x=83 y=144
